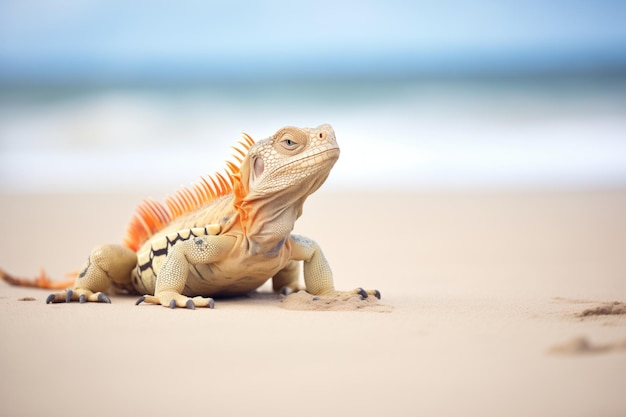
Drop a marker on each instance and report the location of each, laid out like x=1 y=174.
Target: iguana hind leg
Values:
x=286 y=280
x=106 y=265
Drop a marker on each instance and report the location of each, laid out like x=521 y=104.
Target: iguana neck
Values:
x=267 y=220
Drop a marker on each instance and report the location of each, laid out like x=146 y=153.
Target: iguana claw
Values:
x=364 y=294
x=81 y=295
x=178 y=301
x=103 y=298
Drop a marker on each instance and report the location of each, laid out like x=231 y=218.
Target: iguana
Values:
x=226 y=235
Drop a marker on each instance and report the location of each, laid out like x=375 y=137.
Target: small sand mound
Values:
x=608 y=309
x=302 y=300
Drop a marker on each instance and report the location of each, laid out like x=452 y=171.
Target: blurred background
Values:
x=113 y=95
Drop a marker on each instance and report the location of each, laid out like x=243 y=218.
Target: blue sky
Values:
x=69 y=38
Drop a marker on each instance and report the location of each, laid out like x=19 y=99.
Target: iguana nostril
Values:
x=259 y=166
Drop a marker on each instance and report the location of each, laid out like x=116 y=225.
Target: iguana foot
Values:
x=172 y=299
x=78 y=294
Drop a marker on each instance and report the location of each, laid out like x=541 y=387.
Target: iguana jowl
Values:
x=225 y=236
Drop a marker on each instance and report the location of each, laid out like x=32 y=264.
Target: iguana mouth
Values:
x=330 y=153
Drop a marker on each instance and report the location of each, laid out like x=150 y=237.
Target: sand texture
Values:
x=494 y=304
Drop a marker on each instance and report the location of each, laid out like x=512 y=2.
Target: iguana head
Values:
x=288 y=166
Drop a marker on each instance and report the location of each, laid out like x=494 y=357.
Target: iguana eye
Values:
x=289 y=143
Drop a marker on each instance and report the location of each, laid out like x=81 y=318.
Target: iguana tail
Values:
x=40 y=281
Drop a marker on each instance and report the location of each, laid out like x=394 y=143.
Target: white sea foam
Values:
x=128 y=140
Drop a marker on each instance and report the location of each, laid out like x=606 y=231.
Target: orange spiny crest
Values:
x=186 y=198
x=171 y=206
x=225 y=186
x=239 y=151
x=151 y=216
x=215 y=186
x=232 y=168
x=200 y=192
x=247 y=141
x=180 y=203
x=208 y=188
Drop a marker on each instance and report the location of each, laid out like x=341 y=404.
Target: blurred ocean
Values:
x=106 y=96
x=421 y=133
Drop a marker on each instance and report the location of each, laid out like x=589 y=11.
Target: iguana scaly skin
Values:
x=227 y=235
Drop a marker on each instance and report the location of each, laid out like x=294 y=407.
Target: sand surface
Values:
x=494 y=304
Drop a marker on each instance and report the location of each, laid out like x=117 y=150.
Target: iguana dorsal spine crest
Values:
x=151 y=216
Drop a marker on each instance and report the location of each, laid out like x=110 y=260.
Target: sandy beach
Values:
x=494 y=304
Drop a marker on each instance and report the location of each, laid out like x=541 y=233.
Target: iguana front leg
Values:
x=172 y=276
x=106 y=265
x=318 y=277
